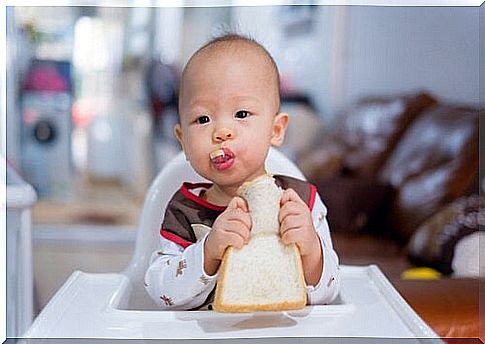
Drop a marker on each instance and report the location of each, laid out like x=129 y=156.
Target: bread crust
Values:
x=220 y=306
x=247 y=185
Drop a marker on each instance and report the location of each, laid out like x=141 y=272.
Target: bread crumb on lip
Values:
x=216 y=153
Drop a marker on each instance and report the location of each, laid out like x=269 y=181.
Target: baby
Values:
x=229 y=117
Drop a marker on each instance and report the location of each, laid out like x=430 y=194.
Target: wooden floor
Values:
x=450 y=306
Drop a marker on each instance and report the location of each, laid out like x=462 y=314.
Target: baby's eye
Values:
x=242 y=114
x=203 y=119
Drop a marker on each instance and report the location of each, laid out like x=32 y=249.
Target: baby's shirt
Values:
x=176 y=279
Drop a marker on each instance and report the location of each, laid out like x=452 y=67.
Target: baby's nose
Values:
x=223 y=134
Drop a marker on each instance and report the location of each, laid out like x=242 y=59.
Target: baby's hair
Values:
x=229 y=38
x=235 y=37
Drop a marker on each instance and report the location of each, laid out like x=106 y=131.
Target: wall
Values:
x=200 y=24
x=399 y=49
x=355 y=51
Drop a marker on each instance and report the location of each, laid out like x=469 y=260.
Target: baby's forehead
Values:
x=228 y=50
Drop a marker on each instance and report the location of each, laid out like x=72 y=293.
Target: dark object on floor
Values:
x=434 y=241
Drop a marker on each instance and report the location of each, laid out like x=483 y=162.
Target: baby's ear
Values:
x=280 y=123
x=178 y=134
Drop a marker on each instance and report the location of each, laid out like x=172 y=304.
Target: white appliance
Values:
x=19 y=280
x=46 y=142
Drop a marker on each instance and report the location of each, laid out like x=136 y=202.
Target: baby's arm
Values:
x=176 y=279
x=327 y=289
x=231 y=228
x=180 y=279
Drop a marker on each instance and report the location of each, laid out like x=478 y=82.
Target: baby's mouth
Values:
x=222 y=158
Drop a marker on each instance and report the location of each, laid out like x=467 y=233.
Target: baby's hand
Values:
x=297 y=225
x=231 y=228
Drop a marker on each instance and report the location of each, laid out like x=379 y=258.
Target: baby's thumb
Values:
x=238 y=202
x=289 y=195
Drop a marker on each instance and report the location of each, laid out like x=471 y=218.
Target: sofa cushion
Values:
x=433 y=164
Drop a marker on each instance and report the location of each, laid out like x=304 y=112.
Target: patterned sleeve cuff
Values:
x=197 y=250
x=327 y=287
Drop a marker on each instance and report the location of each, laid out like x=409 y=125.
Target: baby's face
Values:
x=228 y=114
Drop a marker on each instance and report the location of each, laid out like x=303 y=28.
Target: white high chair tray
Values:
x=368 y=306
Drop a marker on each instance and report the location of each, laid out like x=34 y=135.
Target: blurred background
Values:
x=383 y=105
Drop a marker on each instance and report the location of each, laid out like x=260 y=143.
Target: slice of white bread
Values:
x=264 y=275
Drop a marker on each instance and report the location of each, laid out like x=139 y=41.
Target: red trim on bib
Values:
x=185 y=189
x=313 y=196
x=175 y=238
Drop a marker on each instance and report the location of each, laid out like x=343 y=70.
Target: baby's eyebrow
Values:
x=200 y=102
x=195 y=109
x=245 y=98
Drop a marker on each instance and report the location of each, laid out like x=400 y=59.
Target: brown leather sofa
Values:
x=390 y=165
x=402 y=158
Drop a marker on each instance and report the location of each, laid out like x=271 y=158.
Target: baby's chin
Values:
x=237 y=182
x=228 y=181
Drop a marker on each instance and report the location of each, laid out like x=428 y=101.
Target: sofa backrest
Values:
x=370 y=129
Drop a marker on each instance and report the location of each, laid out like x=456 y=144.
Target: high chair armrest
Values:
x=79 y=303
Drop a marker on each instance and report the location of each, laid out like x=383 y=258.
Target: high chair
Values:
x=116 y=305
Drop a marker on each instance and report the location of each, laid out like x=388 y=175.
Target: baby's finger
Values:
x=288 y=209
x=232 y=204
x=238 y=203
x=241 y=216
x=290 y=195
x=242 y=204
x=246 y=219
x=235 y=240
x=239 y=228
x=289 y=223
x=290 y=237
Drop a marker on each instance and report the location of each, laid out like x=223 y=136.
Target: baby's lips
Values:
x=228 y=152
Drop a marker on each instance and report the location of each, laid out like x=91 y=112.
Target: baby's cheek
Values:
x=255 y=151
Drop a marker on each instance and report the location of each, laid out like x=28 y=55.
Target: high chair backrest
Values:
x=168 y=181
